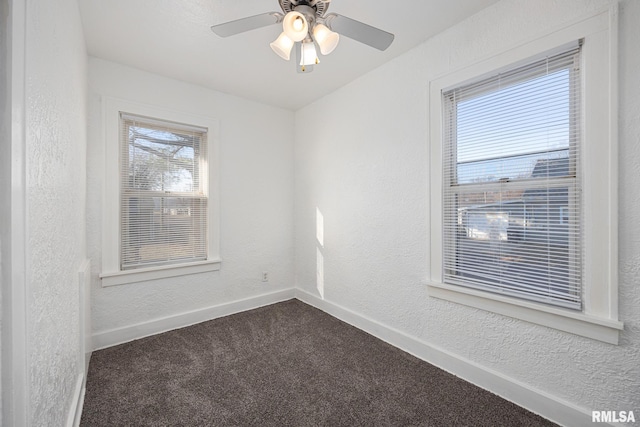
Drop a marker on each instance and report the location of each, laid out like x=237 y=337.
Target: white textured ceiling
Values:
x=173 y=38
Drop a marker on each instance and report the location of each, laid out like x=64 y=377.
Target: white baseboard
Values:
x=133 y=332
x=536 y=401
x=75 y=411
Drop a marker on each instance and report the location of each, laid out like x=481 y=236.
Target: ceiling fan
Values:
x=307 y=24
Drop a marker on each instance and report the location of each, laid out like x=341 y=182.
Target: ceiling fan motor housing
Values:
x=310 y=8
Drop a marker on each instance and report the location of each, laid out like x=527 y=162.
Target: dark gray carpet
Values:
x=287 y=364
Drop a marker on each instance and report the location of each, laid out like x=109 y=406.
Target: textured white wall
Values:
x=56 y=89
x=365 y=167
x=256 y=200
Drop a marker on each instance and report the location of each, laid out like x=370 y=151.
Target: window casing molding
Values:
x=111 y=273
x=599 y=317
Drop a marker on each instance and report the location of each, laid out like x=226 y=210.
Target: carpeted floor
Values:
x=287 y=364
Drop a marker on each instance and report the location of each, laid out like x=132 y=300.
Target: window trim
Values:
x=111 y=274
x=599 y=317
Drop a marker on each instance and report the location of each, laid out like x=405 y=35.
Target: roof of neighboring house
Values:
x=549 y=168
x=544 y=168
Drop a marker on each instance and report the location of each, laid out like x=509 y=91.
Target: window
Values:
x=523 y=181
x=511 y=149
x=161 y=200
x=163 y=204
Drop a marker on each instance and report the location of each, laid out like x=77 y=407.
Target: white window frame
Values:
x=599 y=316
x=111 y=273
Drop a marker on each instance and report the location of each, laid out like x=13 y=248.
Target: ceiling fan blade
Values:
x=238 y=26
x=359 y=31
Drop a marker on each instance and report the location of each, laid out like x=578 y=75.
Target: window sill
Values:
x=601 y=329
x=144 y=274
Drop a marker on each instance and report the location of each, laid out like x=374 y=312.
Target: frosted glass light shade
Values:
x=282 y=46
x=295 y=26
x=326 y=39
x=309 y=55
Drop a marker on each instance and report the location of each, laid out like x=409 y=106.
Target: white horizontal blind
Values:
x=163 y=203
x=512 y=210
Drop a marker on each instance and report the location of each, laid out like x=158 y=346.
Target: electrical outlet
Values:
x=265 y=276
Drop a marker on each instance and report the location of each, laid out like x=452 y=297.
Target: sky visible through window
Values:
x=504 y=133
x=160 y=160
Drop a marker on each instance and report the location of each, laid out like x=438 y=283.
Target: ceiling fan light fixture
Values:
x=326 y=39
x=282 y=46
x=295 y=26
